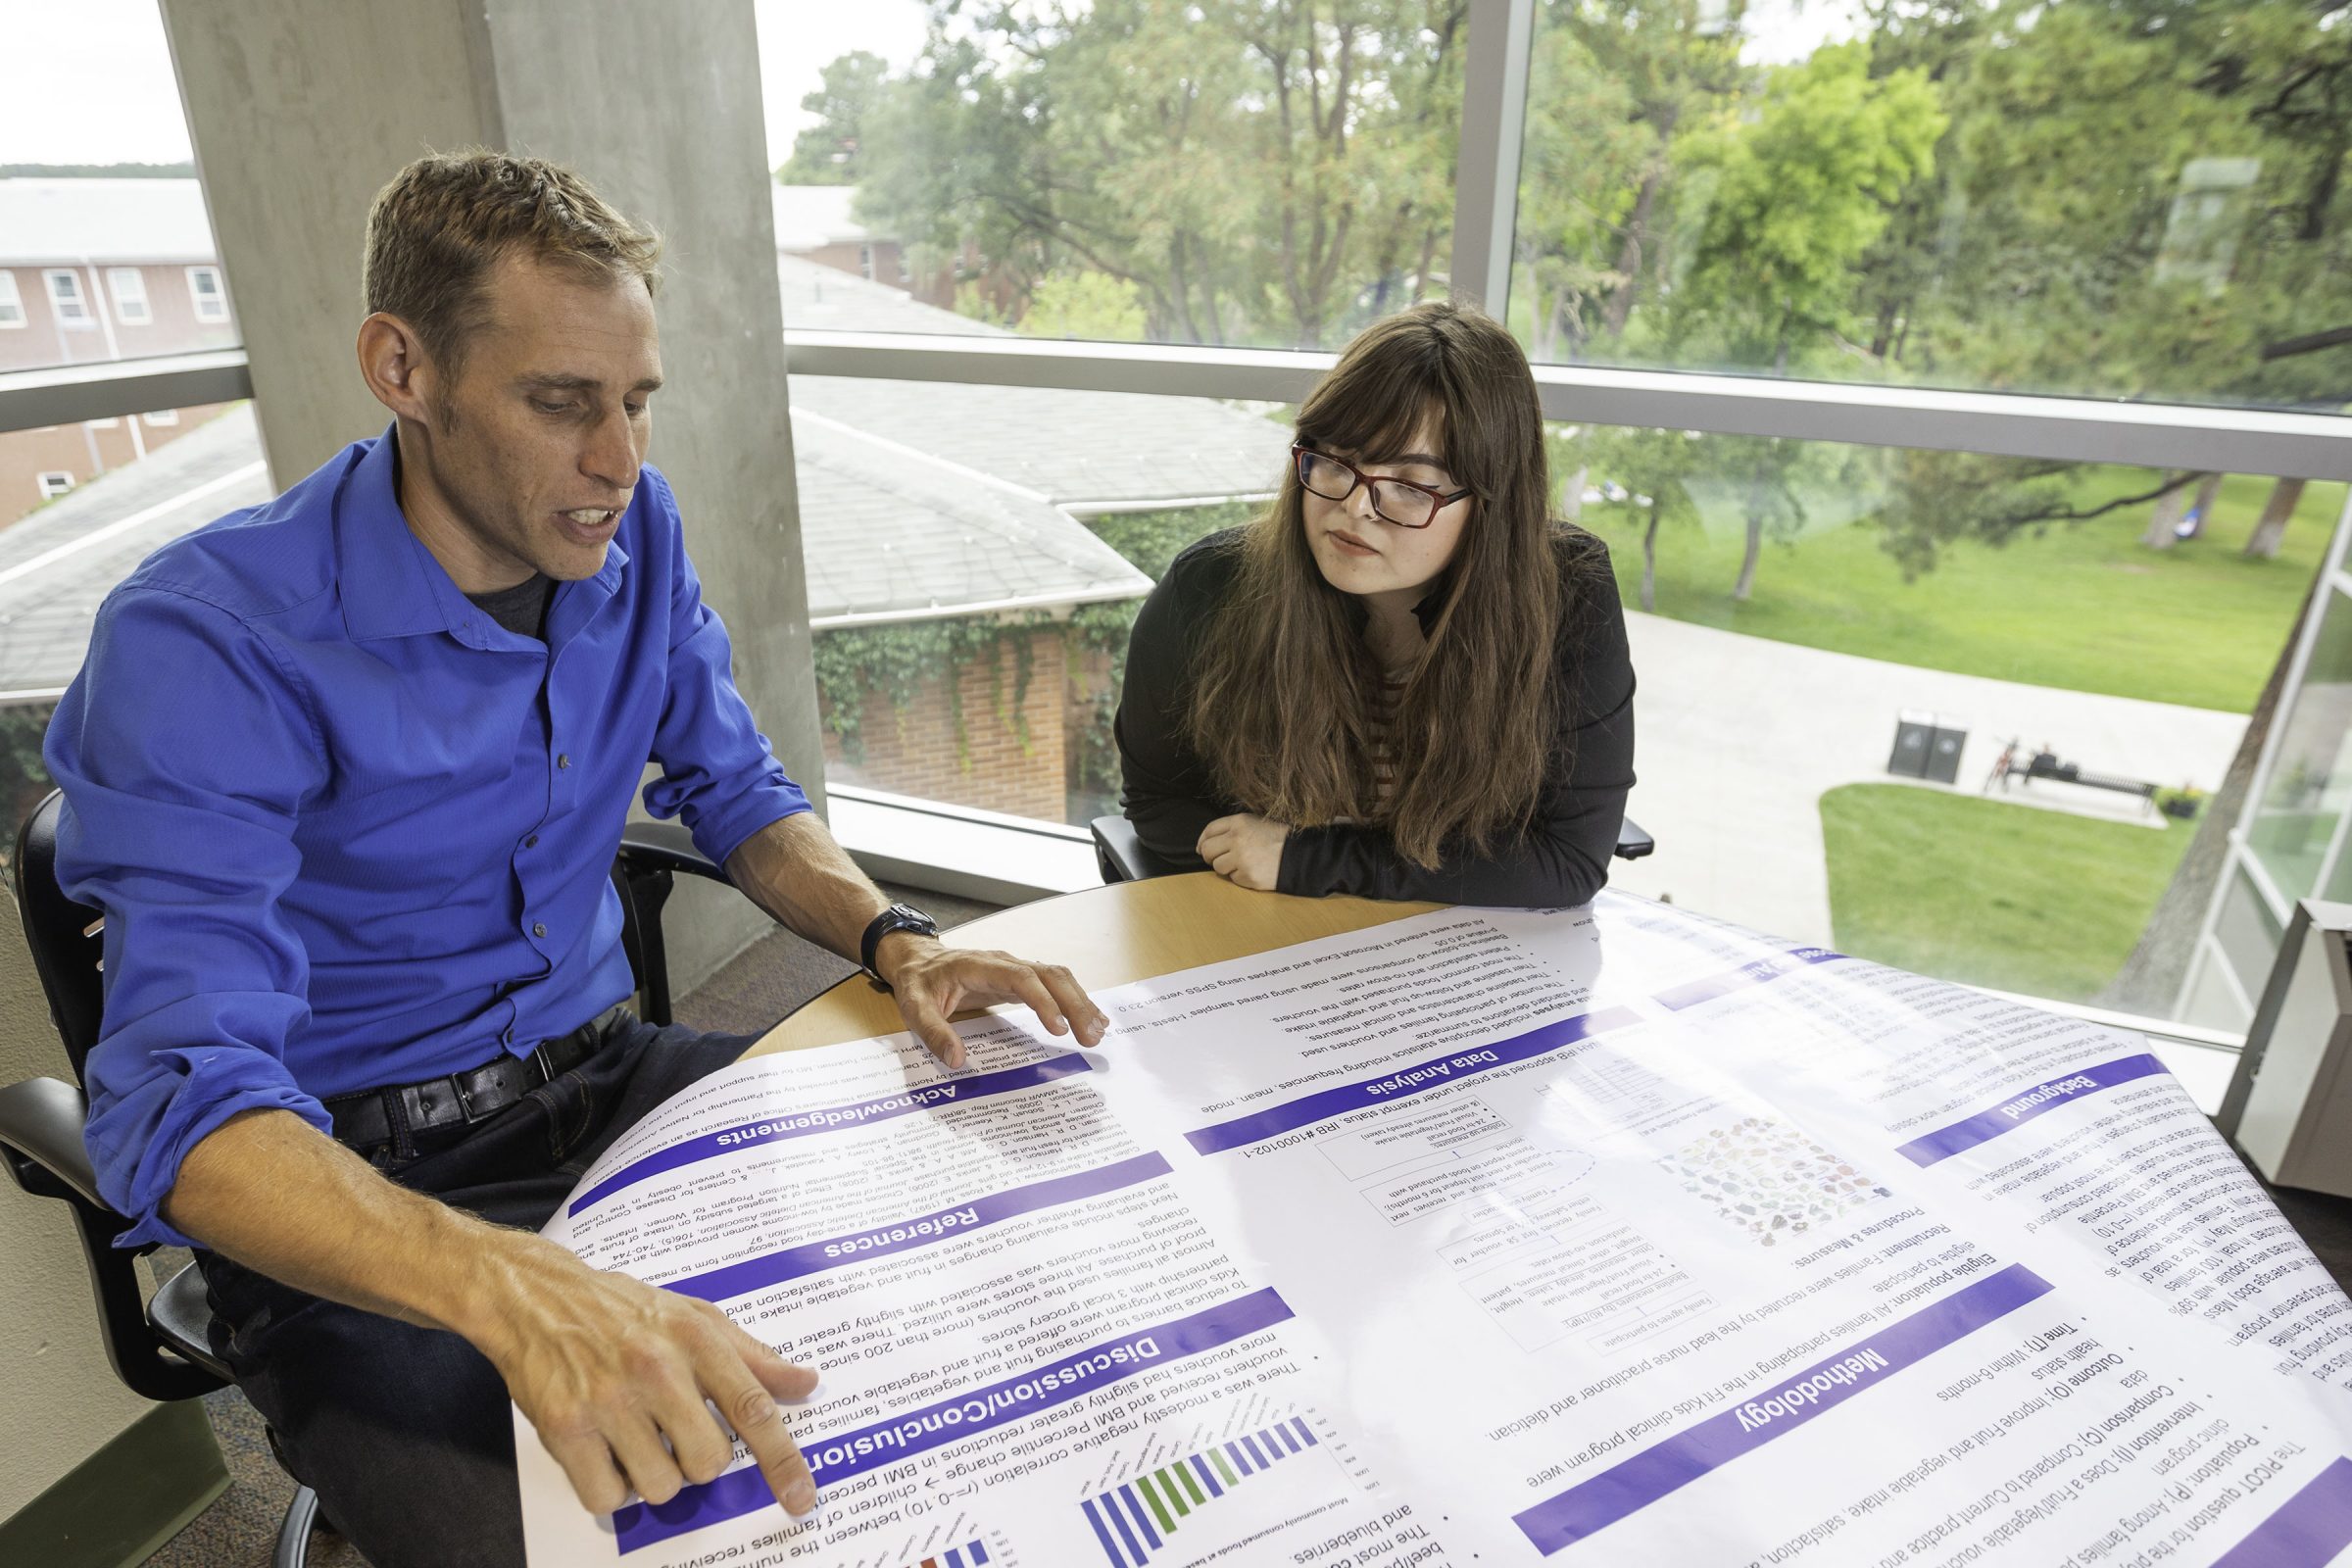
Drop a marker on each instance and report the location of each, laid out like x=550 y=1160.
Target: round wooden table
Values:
x=1107 y=936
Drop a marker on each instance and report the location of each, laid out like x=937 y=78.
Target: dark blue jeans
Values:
x=406 y=1433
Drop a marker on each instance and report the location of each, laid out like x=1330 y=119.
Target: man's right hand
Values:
x=614 y=1374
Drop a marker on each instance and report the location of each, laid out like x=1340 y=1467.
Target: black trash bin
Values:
x=1944 y=746
x=1914 y=744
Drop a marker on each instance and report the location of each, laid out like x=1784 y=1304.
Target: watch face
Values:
x=913 y=919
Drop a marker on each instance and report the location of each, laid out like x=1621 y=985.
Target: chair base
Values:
x=294 y=1534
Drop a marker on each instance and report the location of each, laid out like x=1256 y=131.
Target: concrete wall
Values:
x=60 y=1401
x=300 y=114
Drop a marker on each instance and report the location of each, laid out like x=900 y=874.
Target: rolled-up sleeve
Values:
x=718 y=773
x=184 y=748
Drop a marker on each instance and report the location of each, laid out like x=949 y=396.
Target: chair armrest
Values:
x=1631 y=841
x=40 y=1135
x=666 y=847
x=40 y=1142
x=1122 y=856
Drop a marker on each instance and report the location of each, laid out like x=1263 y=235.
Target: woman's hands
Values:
x=1245 y=850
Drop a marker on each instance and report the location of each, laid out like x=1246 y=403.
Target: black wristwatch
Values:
x=898 y=917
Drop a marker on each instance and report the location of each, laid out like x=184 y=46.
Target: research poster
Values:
x=1602 y=1236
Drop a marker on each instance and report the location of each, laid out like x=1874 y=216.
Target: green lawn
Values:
x=2084 y=606
x=1994 y=893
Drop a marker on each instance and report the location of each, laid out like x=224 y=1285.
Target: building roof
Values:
x=887 y=535
x=1075 y=449
x=827 y=299
x=57 y=221
x=811 y=216
x=1086 y=450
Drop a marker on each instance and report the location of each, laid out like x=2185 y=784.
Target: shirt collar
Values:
x=391 y=585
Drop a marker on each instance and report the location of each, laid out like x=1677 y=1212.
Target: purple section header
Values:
x=899 y=1236
x=996 y=1404
x=1634 y=1484
x=2049 y=1094
x=803 y=1123
x=1758 y=973
x=1403 y=1082
x=2307 y=1531
x=1439 y=1071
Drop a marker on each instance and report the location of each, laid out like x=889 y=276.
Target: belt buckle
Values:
x=463 y=1083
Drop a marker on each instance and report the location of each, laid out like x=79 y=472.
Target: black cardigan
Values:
x=1562 y=859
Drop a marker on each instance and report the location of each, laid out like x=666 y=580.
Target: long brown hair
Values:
x=1283 y=695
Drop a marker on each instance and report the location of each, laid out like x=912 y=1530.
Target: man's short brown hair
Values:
x=446 y=220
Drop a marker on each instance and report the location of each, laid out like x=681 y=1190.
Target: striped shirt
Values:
x=1385 y=703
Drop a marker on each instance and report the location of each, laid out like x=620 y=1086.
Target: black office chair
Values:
x=161 y=1352
x=1122 y=858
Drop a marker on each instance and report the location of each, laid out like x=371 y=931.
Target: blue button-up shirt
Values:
x=346 y=830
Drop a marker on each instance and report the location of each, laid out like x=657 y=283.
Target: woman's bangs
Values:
x=1375 y=425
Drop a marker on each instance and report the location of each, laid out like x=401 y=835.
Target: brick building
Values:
x=95 y=270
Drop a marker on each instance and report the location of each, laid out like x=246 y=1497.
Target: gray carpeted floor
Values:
x=768 y=981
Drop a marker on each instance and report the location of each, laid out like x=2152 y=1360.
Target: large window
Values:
x=1266 y=173
x=100 y=212
x=2052 y=197
x=975 y=556
x=1983 y=714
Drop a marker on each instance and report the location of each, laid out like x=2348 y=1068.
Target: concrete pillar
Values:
x=300 y=113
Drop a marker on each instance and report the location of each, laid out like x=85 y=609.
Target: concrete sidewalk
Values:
x=1737 y=738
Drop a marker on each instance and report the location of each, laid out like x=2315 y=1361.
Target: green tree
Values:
x=1085 y=305
x=2136 y=199
x=832 y=152
x=1802 y=184
x=1273 y=170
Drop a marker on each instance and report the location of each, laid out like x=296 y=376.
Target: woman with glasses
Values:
x=1405 y=680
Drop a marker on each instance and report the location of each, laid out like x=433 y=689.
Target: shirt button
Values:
x=538 y=928
x=562 y=758
x=531 y=843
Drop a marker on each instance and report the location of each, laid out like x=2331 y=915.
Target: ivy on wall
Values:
x=894 y=661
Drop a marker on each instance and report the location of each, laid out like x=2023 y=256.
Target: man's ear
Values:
x=397 y=369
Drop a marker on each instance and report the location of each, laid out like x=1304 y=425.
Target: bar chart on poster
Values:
x=1590 y=1236
x=1218 y=1491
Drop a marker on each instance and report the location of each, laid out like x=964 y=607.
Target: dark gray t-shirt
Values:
x=521 y=609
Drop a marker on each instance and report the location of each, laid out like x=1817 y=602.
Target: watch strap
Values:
x=898 y=917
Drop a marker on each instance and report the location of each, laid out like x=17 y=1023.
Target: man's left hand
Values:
x=1245 y=850
x=933 y=981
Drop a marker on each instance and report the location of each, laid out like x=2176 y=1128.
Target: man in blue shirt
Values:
x=346 y=774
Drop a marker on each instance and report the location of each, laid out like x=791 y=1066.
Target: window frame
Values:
x=12 y=298
x=136 y=295
x=87 y=321
x=217 y=298
x=41 y=483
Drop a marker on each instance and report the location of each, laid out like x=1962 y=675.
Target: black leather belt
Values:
x=366 y=1120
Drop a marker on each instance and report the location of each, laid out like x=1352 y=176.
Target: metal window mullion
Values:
x=1485 y=182
x=2307 y=637
x=2232 y=440
x=68 y=394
